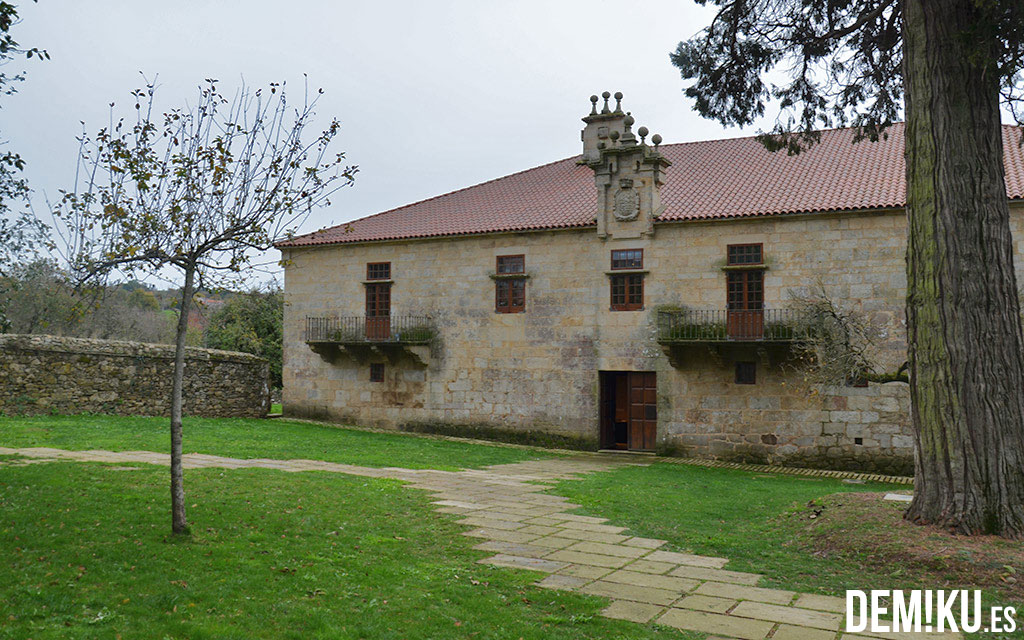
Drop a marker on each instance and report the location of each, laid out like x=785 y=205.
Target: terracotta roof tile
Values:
x=707 y=180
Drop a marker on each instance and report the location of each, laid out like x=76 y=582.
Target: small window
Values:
x=510 y=292
x=628 y=259
x=744 y=254
x=627 y=292
x=511 y=264
x=746 y=373
x=378 y=271
x=376 y=372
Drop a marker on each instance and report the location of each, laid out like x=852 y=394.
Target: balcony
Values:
x=699 y=326
x=360 y=337
x=770 y=330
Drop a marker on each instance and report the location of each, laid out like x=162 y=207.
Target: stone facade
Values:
x=542 y=369
x=49 y=374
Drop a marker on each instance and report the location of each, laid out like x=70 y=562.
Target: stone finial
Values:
x=618 y=102
x=628 y=138
x=605 y=109
x=593 y=105
x=642 y=131
x=614 y=135
x=656 y=139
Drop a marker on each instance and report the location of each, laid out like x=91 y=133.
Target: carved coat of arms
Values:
x=627 y=204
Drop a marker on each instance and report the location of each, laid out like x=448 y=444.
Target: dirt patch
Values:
x=865 y=528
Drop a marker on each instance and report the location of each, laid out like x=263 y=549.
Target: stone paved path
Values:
x=503 y=505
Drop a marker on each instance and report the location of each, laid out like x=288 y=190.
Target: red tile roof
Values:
x=707 y=180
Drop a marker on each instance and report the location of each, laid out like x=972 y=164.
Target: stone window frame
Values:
x=510 y=283
x=376 y=372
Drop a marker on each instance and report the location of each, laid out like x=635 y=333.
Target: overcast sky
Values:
x=432 y=96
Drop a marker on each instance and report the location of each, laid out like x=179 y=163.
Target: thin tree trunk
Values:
x=179 y=524
x=966 y=350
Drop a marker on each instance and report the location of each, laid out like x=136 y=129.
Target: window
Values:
x=378 y=310
x=627 y=289
x=511 y=264
x=745 y=290
x=378 y=271
x=627 y=292
x=628 y=259
x=510 y=290
x=744 y=254
x=376 y=372
x=746 y=373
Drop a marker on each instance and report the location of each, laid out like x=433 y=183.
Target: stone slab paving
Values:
x=503 y=505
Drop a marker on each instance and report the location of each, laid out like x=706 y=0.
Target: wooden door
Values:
x=745 y=296
x=378 y=311
x=643 y=410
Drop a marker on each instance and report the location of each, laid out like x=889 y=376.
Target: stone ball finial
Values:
x=656 y=139
x=618 y=102
x=614 y=135
x=643 y=131
x=629 y=121
x=593 y=105
x=606 y=95
x=605 y=108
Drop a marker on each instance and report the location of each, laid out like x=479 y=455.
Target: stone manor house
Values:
x=633 y=297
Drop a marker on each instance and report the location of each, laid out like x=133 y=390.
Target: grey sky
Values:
x=432 y=96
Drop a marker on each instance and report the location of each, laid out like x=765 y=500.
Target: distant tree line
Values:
x=39 y=297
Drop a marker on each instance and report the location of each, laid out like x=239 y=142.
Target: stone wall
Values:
x=49 y=374
x=540 y=369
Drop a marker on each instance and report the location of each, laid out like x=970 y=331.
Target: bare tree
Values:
x=838 y=345
x=197 y=190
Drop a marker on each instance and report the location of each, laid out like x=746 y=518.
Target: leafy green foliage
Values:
x=251 y=322
x=39 y=297
x=825 y=63
x=20 y=231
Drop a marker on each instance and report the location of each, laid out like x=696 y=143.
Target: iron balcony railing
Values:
x=362 y=329
x=721 y=325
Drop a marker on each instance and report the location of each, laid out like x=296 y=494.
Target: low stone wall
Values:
x=50 y=374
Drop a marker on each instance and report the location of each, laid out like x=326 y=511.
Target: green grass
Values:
x=761 y=522
x=276 y=407
x=273 y=555
x=251 y=438
x=721 y=512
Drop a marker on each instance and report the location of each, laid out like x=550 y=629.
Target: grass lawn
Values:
x=273 y=555
x=251 y=438
x=815 y=535
x=276 y=407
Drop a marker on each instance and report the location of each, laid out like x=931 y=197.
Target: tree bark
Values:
x=179 y=524
x=966 y=351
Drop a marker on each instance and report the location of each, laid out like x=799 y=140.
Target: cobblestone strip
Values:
x=505 y=507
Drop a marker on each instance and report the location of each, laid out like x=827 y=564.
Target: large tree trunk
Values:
x=966 y=348
x=178 y=522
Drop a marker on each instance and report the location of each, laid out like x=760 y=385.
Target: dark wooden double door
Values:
x=629 y=410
